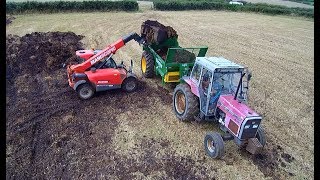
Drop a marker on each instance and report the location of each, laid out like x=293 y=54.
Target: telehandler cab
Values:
x=99 y=72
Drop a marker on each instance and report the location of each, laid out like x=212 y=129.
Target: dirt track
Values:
x=51 y=133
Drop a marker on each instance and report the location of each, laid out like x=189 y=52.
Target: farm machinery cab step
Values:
x=99 y=72
x=216 y=91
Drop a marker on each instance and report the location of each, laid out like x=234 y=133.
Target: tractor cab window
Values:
x=228 y=82
x=196 y=73
x=204 y=87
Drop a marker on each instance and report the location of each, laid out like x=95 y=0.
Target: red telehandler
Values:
x=99 y=72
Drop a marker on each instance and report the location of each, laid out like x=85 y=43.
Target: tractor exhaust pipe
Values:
x=240 y=82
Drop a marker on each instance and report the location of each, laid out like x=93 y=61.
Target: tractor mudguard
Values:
x=78 y=83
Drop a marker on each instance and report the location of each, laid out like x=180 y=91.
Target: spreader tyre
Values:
x=214 y=145
x=185 y=103
x=129 y=84
x=261 y=136
x=147 y=65
x=85 y=91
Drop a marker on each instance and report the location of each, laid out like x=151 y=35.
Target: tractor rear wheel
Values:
x=185 y=103
x=85 y=91
x=147 y=65
x=214 y=145
x=129 y=84
x=261 y=136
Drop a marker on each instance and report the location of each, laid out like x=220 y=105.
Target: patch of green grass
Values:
x=248 y=7
x=62 y=6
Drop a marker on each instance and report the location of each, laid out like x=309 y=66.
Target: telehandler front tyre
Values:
x=147 y=65
x=214 y=145
x=130 y=84
x=185 y=103
x=85 y=91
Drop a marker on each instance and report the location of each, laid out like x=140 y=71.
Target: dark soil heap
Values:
x=156 y=33
x=39 y=51
x=184 y=56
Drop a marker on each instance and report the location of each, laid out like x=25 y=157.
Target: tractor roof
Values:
x=217 y=62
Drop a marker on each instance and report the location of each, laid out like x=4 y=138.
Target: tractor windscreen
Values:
x=227 y=83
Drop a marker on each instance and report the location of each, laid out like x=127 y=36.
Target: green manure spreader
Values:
x=162 y=55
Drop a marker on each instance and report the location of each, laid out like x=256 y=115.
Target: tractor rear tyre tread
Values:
x=261 y=136
x=191 y=103
x=149 y=72
x=214 y=145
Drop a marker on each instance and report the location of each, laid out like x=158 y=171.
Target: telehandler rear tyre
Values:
x=147 y=65
x=185 y=103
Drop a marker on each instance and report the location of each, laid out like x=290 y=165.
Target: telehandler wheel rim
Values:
x=210 y=145
x=180 y=102
x=143 y=64
x=85 y=92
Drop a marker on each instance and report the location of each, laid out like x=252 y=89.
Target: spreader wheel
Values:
x=261 y=136
x=85 y=91
x=129 y=84
x=214 y=145
x=185 y=103
x=147 y=65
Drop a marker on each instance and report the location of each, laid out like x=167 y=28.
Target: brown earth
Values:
x=276 y=48
x=51 y=133
x=49 y=128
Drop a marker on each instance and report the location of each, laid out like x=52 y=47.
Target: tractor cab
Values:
x=214 y=77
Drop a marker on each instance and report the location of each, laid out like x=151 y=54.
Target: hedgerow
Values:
x=249 y=7
x=62 y=6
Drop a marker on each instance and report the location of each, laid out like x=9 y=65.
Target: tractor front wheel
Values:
x=147 y=65
x=185 y=103
x=129 y=84
x=214 y=145
x=85 y=91
x=261 y=136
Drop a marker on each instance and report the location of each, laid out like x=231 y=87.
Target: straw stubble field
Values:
x=137 y=135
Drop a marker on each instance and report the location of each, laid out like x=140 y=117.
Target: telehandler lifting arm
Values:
x=109 y=50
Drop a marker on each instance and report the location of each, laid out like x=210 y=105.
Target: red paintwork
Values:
x=237 y=111
x=107 y=76
x=85 y=54
x=111 y=49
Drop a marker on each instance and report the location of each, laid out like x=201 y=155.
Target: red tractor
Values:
x=99 y=72
x=216 y=91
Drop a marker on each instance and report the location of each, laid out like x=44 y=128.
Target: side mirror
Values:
x=249 y=76
x=93 y=69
